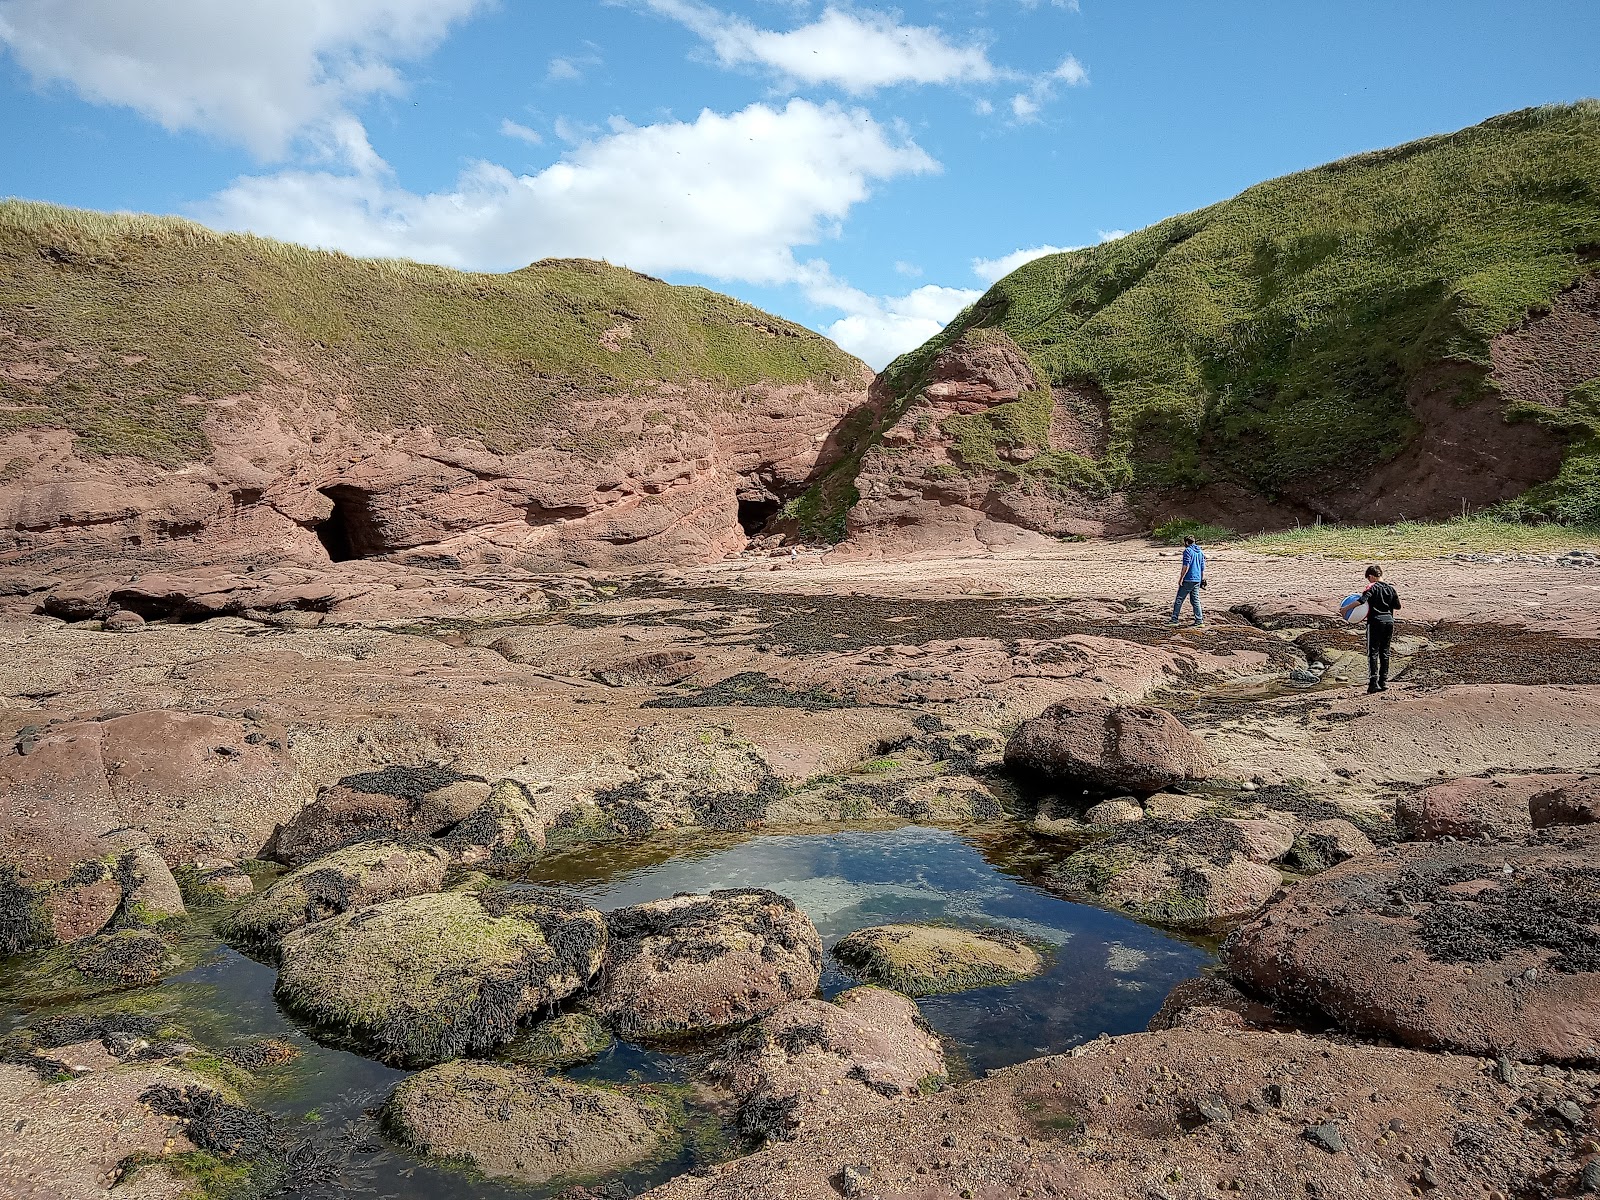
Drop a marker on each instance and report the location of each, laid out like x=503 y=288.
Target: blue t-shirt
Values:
x=1194 y=564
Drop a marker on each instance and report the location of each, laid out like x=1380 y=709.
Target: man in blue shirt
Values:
x=1191 y=581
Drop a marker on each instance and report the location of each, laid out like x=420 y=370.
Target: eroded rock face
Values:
x=517 y=1123
x=1186 y=874
x=1572 y=804
x=815 y=1060
x=1490 y=950
x=1187 y=1112
x=1323 y=844
x=697 y=963
x=927 y=960
x=1104 y=748
x=427 y=978
x=393 y=802
x=1493 y=806
x=351 y=878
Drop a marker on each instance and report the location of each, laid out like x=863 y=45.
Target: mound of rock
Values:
x=395 y=802
x=1479 y=806
x=1571 y=804
x=427 y=978
x=927 y=960
x=695 y=963
x=1100 y=747
x=1326 y=843
x=358 y=875
x=517 y=1123
x=1194 y=1113
x=816 y=1059
x=1186 y=874
x=560 y=1042
x=503 y=831
x=1486 y=949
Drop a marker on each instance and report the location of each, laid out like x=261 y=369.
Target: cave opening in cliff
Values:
x=349 y=532
x=755 y=512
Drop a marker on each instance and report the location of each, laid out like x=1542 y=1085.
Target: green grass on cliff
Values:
x=1271 y=339
x=1427 y=539
x=130 y=326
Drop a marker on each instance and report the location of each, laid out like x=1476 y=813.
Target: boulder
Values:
x=517 y=1123
x=125 y=958
x=1489 y=950
x=1170 y=806
x=366 y=873
x=1323 y=844
x=503 y=831
x=928 y=960
x=123 y=621
x=560 y=1042
x=217 y=885
x=696 y=963
x=816 y=1059
x=1114 y=812
x=1574 y=804
x=1186 y=874
x=654 y=669
x=1263 y=839
x=1099 y=747
x=426 y=978
x=1473 y=807
x=394 y=802
x=150 y=893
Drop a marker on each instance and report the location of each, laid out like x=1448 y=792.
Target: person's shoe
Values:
x=1383 y=685
x=1373 y=689
x=1173 y=624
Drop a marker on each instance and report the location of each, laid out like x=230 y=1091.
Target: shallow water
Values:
x=1107 y=974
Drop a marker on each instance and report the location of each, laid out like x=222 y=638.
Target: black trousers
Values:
x=1380 y=633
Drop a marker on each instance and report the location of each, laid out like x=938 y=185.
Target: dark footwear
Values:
x=1373 y=689
x=1383 y=685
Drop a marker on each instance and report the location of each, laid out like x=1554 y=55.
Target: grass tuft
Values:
x=1428 y=539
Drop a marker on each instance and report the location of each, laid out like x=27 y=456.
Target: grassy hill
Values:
x=1270 y=339
x=134 y=322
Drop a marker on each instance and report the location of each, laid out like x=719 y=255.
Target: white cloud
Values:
x=1026 y=106
x=909 y=270
x=569 y=68
x=881 y=328
x=991 y=269
x=259 y=72
x=729 y=196
x=858 y=52
x=513 y=129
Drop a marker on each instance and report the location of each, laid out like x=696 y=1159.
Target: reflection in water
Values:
x=1106 y=973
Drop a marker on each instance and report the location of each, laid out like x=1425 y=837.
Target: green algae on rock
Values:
x=929 y=960
x=560 y=1041
x=517 y=1123
x=426 y=978
x=366 y=873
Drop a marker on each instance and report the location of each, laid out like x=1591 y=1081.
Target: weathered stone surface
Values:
x=1263 y=840
x=358 y=875
x=393 y=802
x=1493 y=806
x=150 y=893
x=654 y=669
x=1572 y=804
x=1187 y=874
x=1101 y=747
x=426 y=978
x=813 y=1061
x=694 y=963
x=1121 y=1117
x=926 y=960
x=513 y=1122
x=1114 y=812
x=560 y=1041
x=1491 y=950
x=506 y=829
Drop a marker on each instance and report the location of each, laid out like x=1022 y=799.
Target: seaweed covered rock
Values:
x=517 y=1123
x=815 y=1058
x=681 y=776
x=149 y=891
x=395 y=802
x=927 y=960
x=1572 y=804
x=1490 y=950
x=506 y=829
x=426 y=978
x=1186 y=874
x=365 y=873
x=560 y=1042
x=1100 y=747
x=1326 y=843
x=695 y=963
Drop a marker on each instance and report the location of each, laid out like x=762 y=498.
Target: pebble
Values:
x=1326 y=1137
x=853 y=1180
x=1569 y=1112
x=1212 y=1110
x=1589 y=1181
x=1505 y=1070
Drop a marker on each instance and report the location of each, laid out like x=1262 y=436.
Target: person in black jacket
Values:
x=1382 y=603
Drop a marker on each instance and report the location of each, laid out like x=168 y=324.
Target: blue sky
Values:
x=864 y=170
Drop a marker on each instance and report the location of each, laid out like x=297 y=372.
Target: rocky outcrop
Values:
x=1492 y=806
x=1099 y=747
x=560 y=1042
x=395 y=802
x=427 y=978
x=928 y=960
x=1187 y=874
x=515 y=1123
x=698 y=963
x=1489 y=950
x=1327 y=843
x=814 y=1061
x=1570 y=804
x=351 y=878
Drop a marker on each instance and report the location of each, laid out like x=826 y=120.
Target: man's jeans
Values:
x=1189 y=589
